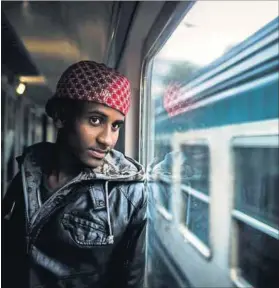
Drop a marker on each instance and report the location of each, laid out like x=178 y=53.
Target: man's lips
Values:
x=96 y=153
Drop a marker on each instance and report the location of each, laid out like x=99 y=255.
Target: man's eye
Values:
x=95 y=120
x=115 y=126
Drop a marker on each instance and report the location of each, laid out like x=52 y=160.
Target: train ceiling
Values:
x=41 y=39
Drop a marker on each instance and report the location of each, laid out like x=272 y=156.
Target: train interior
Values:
x=203 y=121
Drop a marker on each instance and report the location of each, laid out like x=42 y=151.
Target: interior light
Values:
x=34 y=80
x=20 y=88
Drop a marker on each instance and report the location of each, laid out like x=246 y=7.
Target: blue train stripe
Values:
x=257 y=104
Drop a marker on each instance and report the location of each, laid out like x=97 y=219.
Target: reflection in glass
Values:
x=162 y=163
x=161 y=193
x=197 y=86
x=164 y=167
x=195 y=167
x=161 y=150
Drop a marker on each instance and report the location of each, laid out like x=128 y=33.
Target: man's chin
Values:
x=94 y=163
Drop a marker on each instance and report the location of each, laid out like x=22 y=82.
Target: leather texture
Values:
x=66 y=241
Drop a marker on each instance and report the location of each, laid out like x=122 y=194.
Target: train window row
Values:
x=255 y=211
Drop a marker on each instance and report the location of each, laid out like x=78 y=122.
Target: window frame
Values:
x=247 y=141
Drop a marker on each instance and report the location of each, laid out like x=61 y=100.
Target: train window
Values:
x=195 y=190
x=257 y=186
x=195 y=167
x=256 y=209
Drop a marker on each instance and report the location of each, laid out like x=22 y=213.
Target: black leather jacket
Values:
x=90 y=233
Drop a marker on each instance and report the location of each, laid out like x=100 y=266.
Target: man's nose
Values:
x=105 y=136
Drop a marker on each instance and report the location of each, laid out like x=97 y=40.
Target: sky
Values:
x=216 y=26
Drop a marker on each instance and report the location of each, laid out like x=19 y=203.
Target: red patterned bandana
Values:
x=91 y=81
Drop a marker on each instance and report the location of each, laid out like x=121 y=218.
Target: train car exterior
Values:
x=213 y=179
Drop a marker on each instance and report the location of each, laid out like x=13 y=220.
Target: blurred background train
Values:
x=203 y=122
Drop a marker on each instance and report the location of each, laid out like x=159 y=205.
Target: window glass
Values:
x=161 y=193
x=258 y=256
x=196 y=217
x=204 y=36
x=161 y=277
x=161 y=150
x=162 y=161
x=202 y=40
x=215 y=77
x=162 y=265
x=161 y=171
x=257 y=183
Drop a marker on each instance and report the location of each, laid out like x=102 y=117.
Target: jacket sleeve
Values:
x=137 y=246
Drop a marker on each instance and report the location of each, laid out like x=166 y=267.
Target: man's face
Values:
x=95 y=131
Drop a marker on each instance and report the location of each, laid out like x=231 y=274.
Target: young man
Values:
x=75 y=215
